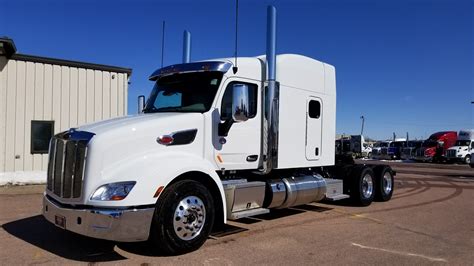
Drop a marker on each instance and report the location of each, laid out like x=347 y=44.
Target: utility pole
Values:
x=362 y=129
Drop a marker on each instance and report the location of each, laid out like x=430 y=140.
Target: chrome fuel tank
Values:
x=295 y=190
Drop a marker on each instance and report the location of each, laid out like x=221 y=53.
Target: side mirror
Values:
x=141 y=103
x=240 y=102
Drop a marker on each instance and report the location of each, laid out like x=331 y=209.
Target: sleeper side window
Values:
x=314 y=109
x=226 y=105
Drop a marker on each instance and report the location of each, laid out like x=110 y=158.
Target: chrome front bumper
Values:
x=124 y=225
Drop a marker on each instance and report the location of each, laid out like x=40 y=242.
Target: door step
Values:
x=247 y=213
x=338 y=197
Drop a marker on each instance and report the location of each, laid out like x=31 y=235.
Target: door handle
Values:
x=252 y=158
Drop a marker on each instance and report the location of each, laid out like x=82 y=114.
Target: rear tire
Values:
x=384 y=183
x=363 y=186
x=183 y=218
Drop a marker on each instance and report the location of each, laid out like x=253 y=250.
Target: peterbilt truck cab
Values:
x=378 y=147
x=434 y=148
x=409 y=151
x=461 y=151
x=393 y=151
x=215 y=142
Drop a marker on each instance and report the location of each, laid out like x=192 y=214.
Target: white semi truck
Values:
x=461 y=151
x=214 y=143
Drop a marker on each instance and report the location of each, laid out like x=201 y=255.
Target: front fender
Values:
x=150 y=172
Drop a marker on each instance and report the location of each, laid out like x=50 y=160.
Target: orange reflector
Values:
x=116 y=197
x=158 y=191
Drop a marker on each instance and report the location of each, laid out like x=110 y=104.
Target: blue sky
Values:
x=407 y=66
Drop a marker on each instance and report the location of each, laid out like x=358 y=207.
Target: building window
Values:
x=226 y=105
x=41 y=134
x=314 y=109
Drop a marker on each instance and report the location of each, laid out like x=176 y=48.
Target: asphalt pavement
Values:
x=428 y=221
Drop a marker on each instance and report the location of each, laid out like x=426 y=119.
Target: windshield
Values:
x=429 y=143
x=383 y=144
x=414 y=144
x=188 y=92
x=397 y=144
x=462 y=143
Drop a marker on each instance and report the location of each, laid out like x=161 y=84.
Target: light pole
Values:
x=362 y=129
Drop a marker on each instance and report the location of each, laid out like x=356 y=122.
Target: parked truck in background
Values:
x=393 y=151
x=354 y=145
x=461 y=151
x=409 y=151
x=378 y=147
x=215 y=143
x=434 y=148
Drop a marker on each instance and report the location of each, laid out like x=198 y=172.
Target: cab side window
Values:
x=314 y=109
x=226 y=105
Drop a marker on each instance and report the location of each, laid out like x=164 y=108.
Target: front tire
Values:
x=363 y=186
x=384 y=183
x=183 y=218
x=467 y=159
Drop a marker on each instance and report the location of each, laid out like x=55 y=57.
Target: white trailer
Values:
x=462 y=149
x=215 y=142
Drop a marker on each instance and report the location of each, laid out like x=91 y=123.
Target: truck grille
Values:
x=420 y=152
x=407 y=151
x=451 y=153
x=66 y=163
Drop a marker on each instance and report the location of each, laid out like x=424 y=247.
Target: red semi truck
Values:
x=434 y=148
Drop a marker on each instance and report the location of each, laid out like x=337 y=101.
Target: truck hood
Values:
x=129 y=123
x=459 y=148
x=118 y=141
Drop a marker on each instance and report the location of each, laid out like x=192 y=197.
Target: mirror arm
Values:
x=224 y=127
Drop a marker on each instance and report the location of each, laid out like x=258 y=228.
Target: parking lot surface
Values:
x=430 y=220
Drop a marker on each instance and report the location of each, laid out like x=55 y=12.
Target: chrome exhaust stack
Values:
x=271 y=95
x=186 y=47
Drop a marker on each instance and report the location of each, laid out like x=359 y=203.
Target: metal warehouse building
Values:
x=42 y=96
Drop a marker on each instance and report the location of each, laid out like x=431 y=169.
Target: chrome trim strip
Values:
x=63 y=162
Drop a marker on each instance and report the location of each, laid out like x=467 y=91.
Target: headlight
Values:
x=113 y=191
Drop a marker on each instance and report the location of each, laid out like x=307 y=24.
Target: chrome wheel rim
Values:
x=387 y=183
x=367 y=186
x=189 y=218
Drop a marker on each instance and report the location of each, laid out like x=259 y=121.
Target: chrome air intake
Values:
x=294 y=191
x=271 y=95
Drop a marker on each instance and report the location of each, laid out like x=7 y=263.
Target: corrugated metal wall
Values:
x=70 y=96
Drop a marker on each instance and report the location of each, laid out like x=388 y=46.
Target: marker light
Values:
x=165 y=139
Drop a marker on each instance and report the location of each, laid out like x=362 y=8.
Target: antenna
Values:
x=162 y=43
x=235 y=68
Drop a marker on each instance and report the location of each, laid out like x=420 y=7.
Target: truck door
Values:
x=240 y=149
x=313 y=128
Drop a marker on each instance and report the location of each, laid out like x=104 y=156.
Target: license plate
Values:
x=60 y=221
